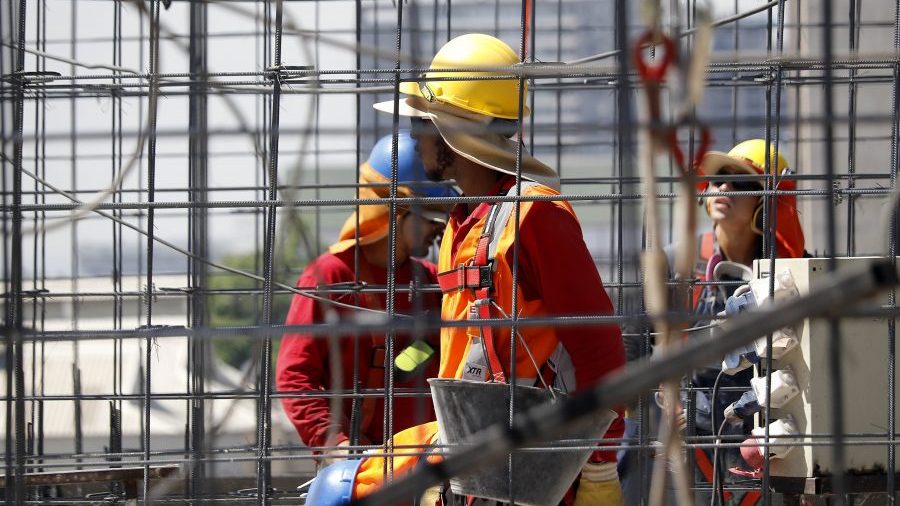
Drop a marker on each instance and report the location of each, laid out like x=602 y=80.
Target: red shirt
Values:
x=303 y=363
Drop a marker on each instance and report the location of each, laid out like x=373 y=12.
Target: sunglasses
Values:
x=742 y=186
x=739 y=185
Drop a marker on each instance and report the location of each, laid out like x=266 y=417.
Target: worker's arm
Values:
x=558 y=268
x=303 y=366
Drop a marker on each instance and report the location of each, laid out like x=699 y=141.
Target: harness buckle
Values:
x=485 y=275
x=478 y=276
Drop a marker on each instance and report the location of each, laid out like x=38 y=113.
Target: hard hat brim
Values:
x=468 y=135
x=714 y=161
x=492 y=150
x=382 y=232
x=404 y=108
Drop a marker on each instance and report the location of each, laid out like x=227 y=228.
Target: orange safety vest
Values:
x=467 y=283
x=706 y=248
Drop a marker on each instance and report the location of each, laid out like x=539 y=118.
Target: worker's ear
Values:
x=703 y=201
x=756 y=224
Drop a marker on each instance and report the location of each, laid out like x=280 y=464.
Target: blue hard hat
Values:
x=333 y=485
x=410 y=170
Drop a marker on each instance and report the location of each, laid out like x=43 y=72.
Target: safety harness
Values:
x=707 y=258
x=483 y=363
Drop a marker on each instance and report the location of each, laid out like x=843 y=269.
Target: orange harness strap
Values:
x=478 y=275
x=465 y=276
x=481 y=306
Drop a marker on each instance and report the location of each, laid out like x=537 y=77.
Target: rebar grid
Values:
x=144 y=143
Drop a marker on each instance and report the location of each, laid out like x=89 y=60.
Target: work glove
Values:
x=431 y=497
x=599 y=486
x=732 y=271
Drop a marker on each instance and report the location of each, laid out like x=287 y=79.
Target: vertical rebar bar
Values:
x=147 y=386
x=73 y=230
x=625 y=169
x=14 y=318
x=853 y=31
x=264 y=417
x=388 y=441
x=41 y=168
x=356 y=405
x=835 y=354
x=117 y=139
x=8 y=61
x=892 y=253
x=526 y=6
x=198 y=349
x=770 y=218
x=449 y=18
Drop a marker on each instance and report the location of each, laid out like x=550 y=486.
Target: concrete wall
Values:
x=803 y=132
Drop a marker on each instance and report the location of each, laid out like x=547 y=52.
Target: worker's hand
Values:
x=337 y=454
x=599 y=484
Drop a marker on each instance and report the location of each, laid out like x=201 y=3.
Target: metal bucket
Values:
x=540 y=478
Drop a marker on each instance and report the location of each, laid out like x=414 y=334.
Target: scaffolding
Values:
x=165 y=182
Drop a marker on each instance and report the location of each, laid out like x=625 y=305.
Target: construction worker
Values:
x=728 y=251
x=464 y=131
x=359 y=259
x=726 y=254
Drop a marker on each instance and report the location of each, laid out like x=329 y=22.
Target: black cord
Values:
x=713 y=410
x=718 y=484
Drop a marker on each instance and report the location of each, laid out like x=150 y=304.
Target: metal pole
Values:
x=14 y=319
x=834 y=354
x=199 y=237
x=892 y=253
x=151 y=197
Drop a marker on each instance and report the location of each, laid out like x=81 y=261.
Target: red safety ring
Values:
x=655 y=71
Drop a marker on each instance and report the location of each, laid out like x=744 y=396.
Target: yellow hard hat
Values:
x=498 y=98
x=748 y=156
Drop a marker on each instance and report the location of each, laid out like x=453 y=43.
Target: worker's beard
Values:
x=420 y=250
x=445 y=159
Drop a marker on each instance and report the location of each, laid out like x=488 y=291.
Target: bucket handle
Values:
x=537 y=369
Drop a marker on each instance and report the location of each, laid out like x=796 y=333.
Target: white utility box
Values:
x=864 y=361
